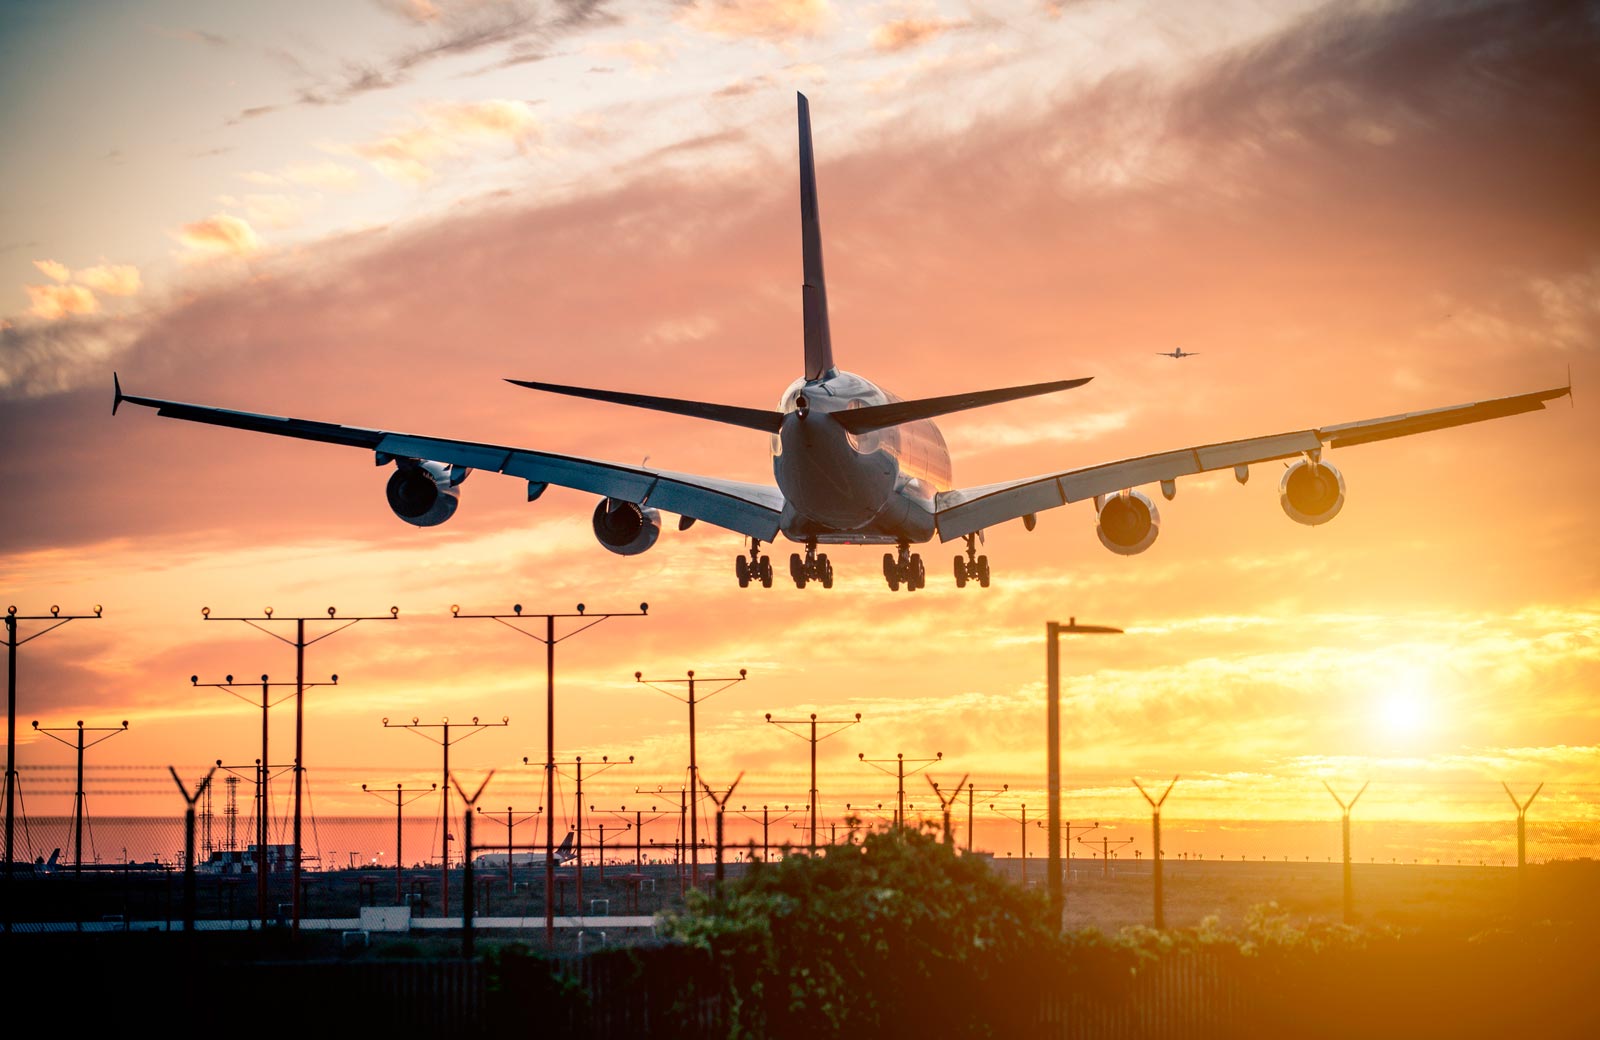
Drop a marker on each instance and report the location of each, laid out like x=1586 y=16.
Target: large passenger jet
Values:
x=853 y=463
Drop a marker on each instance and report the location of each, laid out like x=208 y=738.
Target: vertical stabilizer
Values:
x=814 y=294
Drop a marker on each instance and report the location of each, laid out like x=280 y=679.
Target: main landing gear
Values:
x=906 y=569
x=757 y=567
x=814 y=567
x=972 y=565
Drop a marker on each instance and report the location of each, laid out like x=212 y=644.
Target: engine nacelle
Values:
x=626 y=528
x=1311 y=492
x=425 y=493
x=1128 y=523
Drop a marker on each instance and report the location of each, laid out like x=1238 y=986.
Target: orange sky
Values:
x=1347 y=213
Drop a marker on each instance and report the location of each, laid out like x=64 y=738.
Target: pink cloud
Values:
x=761 y=19
x=906 y=33
x=449 y=132
x=52 y=302
x=221 y=235
x=111 y=279
x=53 y=270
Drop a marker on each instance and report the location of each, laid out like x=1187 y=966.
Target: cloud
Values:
x=111 y=279
x=53 y=270
x=275 y=211
x=906 y=33
x=449 y=131
x=645 y=56
x=37 y=360
x=51 y=302
x=758 y=19
x=220 y=234
x=326 y=175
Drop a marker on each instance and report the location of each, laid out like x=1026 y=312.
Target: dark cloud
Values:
x=456 y=31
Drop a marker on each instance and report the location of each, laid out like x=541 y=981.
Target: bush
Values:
x=895 y=935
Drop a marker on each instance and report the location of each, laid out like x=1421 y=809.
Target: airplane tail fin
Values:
x=814 y=294
x=564 y=850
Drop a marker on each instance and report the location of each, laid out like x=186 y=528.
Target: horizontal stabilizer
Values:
x=878 y=417
x=750 y=418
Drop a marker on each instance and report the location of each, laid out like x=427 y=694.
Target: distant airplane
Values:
x=853 y=463
x=562 y=854
x=1179 y=353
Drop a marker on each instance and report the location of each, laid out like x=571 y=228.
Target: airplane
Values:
x=562 y=854
x=853 y=464
x=1179 y=353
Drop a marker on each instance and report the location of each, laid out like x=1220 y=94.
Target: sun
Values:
x=1404 y=702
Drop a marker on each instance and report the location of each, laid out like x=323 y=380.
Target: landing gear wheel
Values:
x=827 y=570
x=741 y=567
x=797 y=571
x=766 y=572
x=961 y=572
x=983 y=571
x=918 y=577
x=891 y=572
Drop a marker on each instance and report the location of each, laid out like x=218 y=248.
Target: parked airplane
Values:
x=563 y=853
x=1179 y=353
x=853 y=463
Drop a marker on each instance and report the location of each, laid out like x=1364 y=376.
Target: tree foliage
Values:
x=893 y=935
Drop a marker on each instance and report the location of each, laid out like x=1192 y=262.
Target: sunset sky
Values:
x=373 y=213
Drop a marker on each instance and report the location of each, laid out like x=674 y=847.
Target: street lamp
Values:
x=1054 y=629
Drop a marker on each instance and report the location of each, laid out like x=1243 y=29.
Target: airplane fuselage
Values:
x=844 y=488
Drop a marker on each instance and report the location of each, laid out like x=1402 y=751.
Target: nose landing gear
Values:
x=815 y=567
x=905 y=569
x=972 y=565
x=755 y=567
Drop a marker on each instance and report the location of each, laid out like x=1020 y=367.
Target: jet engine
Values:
x=1128 y=523
x=1311 y=492
x=425 y=493
x=626 y=528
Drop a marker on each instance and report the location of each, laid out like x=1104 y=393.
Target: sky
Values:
x=374 y=213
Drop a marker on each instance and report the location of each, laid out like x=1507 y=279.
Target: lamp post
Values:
x=79 y=808
x=691 y=807
x=57 y=619
x=300 y=642
x=400 y=801
x=899 y=772
x=1053 y=630
x=549 y=639
x=814 y=722
x=417 y=727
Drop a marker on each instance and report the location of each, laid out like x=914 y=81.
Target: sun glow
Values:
x=1404 y=702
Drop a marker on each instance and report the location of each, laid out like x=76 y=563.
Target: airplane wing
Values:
x=748 y=509
x=966 y=510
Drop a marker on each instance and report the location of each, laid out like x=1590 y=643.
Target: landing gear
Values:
x=972 y=565
x=754 y=567
x=905 y=569
x=815 y=567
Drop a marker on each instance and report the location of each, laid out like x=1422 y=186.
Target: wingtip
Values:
x=116 y=393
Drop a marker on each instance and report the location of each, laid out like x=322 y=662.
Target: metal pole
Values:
x=399 y=881
x=1053 y=771
x=813 y=793
x=263 y=804
x=550 y=780
x=1053 y=630
x=694 y=806
x=579 y=861
x=77 y=816
x=299 y=757
x=900 y=793
x=57 y=619
x=444 y=888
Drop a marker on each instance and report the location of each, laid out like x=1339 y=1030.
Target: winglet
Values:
x=116 y=391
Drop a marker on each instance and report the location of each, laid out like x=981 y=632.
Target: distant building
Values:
x=243 y=861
